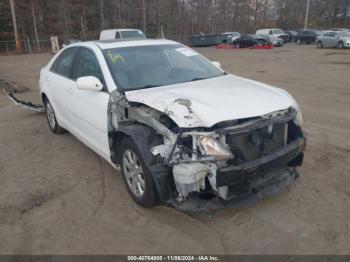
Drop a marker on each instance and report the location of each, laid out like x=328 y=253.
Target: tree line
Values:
x=178 y=19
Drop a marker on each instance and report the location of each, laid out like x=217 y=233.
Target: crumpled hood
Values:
x=207 y=102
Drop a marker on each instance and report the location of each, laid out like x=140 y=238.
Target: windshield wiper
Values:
x=203 y=78
x=147 y=86
x=196 y=79
x=142 y=87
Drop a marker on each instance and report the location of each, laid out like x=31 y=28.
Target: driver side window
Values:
x=87 y=65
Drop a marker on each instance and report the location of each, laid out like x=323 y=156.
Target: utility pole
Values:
x=307 y=14
x=144 y=16
x=102 y=14
x=14 y=21
x=35 y=28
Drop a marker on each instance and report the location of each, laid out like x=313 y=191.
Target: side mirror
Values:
x=216 y=63
x=89 y=83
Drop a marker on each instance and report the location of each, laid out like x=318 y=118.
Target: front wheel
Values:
x=340 y=45
x=51 y=118
x=136 y=175
x=319 y=44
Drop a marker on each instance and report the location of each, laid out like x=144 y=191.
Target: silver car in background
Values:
x=339 y=39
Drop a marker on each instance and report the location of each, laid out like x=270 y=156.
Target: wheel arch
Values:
x=44 y=97
x=144 y=137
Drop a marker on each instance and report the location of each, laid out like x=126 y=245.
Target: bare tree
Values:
x=35 y=27
x=176 y=19
x=102 y=14
x=15 y=28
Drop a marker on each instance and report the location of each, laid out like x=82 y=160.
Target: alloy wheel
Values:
x=133 y=173
x=50 y=115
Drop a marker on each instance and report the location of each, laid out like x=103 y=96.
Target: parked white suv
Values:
x=275 y=32
x=181 y=129
x=112 y=34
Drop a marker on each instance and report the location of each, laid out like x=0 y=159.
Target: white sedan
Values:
x=183 y=131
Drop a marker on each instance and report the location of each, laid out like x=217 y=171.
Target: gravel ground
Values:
x=59 y=197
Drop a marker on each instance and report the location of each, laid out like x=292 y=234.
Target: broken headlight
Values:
x=212 y=147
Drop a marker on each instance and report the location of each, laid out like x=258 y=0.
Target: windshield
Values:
x=343 y=34
x=141 y=67
x=133 y=34
x=278 y=31
x=235 y=34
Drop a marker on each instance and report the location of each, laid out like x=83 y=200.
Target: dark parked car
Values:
x=252 y=41
x=307 y=36
x=204 y=40
x=69 y=42
x=228 y=37
x=292 y=34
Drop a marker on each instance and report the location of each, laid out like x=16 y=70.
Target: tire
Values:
x=136 y=175
x=51 y=118
x=319 y=44
x=237 y=45
x=298 y=42
x=340 y=45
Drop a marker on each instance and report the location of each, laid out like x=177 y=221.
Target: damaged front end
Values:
x=198 y=169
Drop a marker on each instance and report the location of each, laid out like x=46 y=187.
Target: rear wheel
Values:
x=319 y=44
x=51 y=118
x=137 y=176
x=340 y=45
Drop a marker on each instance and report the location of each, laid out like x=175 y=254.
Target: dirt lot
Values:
x=58 y=197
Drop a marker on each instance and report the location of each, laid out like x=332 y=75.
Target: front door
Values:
x=89 y=108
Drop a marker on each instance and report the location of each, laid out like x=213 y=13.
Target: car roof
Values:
x=122 y=29
x=110 y=44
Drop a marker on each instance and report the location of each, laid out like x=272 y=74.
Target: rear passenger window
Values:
x=64 y=62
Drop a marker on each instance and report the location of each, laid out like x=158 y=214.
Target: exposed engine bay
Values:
x=215 y=165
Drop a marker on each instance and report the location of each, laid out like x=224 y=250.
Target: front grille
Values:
x=284 y=37
x=256 y=144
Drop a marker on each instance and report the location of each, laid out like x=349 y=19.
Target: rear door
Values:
x=327 y=39
x=331 y=39
x=60 y=80
x=306 y=37
x=89 y=108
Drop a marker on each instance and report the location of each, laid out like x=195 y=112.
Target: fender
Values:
x=145 y=138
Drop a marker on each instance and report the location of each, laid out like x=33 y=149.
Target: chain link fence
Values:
x=30 y=46
x=8 y=47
